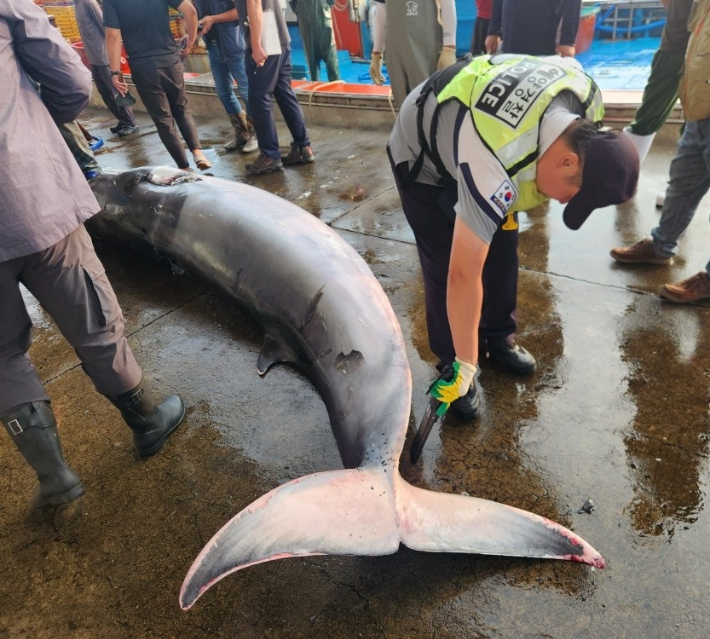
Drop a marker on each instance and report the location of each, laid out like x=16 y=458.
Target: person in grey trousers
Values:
x=44 y=246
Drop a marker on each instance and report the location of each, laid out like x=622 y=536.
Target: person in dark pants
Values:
x=473 y=145
x=543 y=27
x=156 y=68
x=480 y=28
x=269 y=67
x=45 y=247
x=90 y=20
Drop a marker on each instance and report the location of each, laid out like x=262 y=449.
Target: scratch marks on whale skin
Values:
x=311 y=308
x=344 y=363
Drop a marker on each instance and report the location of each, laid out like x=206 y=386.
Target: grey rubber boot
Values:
x=251 y=144
x=239 y=124
x=151 y=423
x=33 y=429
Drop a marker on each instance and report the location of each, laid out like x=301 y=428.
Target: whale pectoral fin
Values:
x=345 y=512
x=272 y=353
x=437 y=522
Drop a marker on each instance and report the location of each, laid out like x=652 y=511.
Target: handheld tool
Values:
x=429 y=419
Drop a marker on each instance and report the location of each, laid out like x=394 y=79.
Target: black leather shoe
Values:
x=509 y=356
x=466 y=408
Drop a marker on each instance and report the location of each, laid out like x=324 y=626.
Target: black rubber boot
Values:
x=33 y=430
x=151 y=423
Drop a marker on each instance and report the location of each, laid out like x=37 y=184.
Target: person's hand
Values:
x=182 y=47
x=120 y=84
x=376 y=68
x=259 y=56
x=492 y=44
x=565 y=51
x=207 y=23
x=447 y=57
x=454 y=382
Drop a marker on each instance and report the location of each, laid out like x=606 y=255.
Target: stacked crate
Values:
x=65 y=19
x=177 y=24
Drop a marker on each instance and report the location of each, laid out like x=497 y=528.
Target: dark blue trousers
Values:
x=429 y=211
x=273 y=81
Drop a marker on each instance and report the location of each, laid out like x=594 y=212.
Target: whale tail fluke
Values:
x=342 y=512
x=370 y=511
x=438 y=522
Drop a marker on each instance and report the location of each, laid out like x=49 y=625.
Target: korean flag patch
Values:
x=504 y=196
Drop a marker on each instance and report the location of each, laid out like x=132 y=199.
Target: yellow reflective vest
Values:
x=507 y=96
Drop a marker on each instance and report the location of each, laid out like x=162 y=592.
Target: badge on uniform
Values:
x=504 y=196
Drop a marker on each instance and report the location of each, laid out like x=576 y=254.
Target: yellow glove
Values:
x=449 y=387
x=447 y=57
x=376 y=68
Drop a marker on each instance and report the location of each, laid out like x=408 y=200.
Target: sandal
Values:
x=202 y=162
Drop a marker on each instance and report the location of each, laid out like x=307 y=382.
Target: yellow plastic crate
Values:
x=65 y=19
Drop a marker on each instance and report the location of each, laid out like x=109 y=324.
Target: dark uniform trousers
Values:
x=69 y=281
x=430 y=212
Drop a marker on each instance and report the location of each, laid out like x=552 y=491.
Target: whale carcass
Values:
x=322 y=309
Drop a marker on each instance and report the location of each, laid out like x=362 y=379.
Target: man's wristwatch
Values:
x=115 y=73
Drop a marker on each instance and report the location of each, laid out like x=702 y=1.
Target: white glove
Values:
x=376 y=68
x=447 y=57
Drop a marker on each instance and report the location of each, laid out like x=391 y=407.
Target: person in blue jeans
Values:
x=689 y=177
x=689 y=182
x=224 y=39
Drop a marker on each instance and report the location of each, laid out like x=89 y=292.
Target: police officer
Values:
x=472 y=146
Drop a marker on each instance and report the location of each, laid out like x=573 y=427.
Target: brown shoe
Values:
x=264 y=164
x=298 y=155
x=640 y=253
x=693 y=289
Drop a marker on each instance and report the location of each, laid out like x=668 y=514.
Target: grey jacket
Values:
x=43 y=193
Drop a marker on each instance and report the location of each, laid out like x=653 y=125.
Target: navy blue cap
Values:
x=610 y=176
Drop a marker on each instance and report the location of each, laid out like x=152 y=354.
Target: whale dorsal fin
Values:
x=272 y=352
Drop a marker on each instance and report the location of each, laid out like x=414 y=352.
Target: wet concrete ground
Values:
x=617 y=413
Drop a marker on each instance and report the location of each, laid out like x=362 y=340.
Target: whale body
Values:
x=322 y=309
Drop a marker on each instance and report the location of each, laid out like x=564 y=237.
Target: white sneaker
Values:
x=660 y=200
